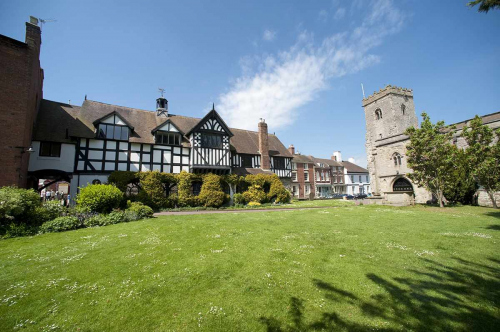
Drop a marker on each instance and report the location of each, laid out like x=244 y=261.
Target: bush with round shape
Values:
x=19 y=206
x=254 y=204
x=130 y=216
x=101 y=198
x=211 y=194
x=60 y=224
x=239 y=199
x=142 y=211
x=277 y=191
x=255 y=194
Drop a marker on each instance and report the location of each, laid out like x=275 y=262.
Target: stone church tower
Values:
x=388 y=113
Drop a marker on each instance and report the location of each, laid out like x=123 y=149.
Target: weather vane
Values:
x=162 y=91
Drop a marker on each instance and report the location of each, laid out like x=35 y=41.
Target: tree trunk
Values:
x=440 y=198
x=492 y=197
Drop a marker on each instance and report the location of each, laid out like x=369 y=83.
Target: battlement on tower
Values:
x=386 y=91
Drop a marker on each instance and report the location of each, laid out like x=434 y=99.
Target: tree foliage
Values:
x=483 y=152
x=485 y=5
x=430 y=154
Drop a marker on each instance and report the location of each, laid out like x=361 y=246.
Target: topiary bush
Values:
x=142 y=211
x=60 y=224
x=101 y=198
x=153 y=191
x=19 y=206
x=211 y=194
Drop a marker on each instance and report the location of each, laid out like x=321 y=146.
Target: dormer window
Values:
x=108 y=131
x=167 y=138
x=113 y=126
x=378 y=114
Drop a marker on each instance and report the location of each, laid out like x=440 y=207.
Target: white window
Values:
x=305 y=166
x=327 y=175
x=294 y=166
x=307 y=189
x=306 y=176
x=294 y=176
x=294 y=191
x=334 y=179
x=317 y=176
x=352 y=178
x=360 y=179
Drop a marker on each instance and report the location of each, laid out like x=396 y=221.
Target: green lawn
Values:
x=345 y=268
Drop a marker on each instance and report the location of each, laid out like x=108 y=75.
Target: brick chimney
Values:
x=337 y=156
x=291 y=149
x=265 y=161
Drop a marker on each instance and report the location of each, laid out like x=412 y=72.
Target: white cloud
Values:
x=275 y=87
x=339 y=13
x=269 y=35
x=323 y=16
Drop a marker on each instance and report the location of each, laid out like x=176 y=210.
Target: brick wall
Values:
x=21 y=81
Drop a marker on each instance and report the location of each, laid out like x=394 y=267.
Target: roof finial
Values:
x=213 y=106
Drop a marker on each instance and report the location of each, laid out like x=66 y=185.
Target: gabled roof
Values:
x=164 y=123
x=299 y=158
x=328 y=162
x=96 y=122
x=54 y=118
x=353 y=168
x=211 y=115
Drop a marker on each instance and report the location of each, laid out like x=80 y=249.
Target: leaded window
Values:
x=211 y=141
x=109 y=131
x=50 y=149
x=168 y=138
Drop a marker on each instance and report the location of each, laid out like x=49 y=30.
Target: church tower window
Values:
x=378 y=114
x=397 y=159
x=403 y=109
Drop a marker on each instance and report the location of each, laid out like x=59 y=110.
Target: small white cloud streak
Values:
x=269 y=35
x=339 y=13
x=275 y=87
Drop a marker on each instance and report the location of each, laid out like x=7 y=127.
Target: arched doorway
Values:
x=402 y=185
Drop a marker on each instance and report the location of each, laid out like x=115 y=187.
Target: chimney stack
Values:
x=33 y=35
x=265 y=161
x=337 y=156
x=291 y=149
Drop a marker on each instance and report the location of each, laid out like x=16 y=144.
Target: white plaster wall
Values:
x=64 y=163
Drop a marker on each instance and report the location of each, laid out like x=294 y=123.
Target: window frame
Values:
x=51 y=151
x=204 y=140
x=103 y=134
x=176 y=138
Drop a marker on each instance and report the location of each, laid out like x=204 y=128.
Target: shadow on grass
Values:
x=439 y=297
x=494 y=214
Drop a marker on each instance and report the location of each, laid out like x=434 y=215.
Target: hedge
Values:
x=101 y=198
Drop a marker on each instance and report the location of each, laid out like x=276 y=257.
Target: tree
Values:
x=483 y=152
x=463 y=185
x=431 y=157
x=485 y=5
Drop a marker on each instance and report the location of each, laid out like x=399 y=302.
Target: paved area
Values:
x=180 y=213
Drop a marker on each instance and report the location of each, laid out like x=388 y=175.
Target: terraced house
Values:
x=84 y=144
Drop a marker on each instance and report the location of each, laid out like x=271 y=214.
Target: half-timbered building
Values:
x=84 y=144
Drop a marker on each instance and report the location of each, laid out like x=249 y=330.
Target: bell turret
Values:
x=162 y=105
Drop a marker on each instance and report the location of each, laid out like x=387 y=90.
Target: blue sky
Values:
x=298 y=64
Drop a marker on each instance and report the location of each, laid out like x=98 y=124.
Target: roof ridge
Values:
x=58 y=102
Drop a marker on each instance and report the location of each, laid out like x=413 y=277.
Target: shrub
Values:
x=53 y=209
x=277 y=191
x=129 y=215
x=98 y=220
x=153 y=193
x=19 y=206
x=116 y=217
x=239 y=199
x=211 y=194
x=255 y=194
x=60 y=224
x=101 y=198
x=184 y=196
x=142 y=211
x=254 y=204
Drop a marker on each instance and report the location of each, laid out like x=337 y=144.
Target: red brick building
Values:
x=315 y=177
x=21 y=82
